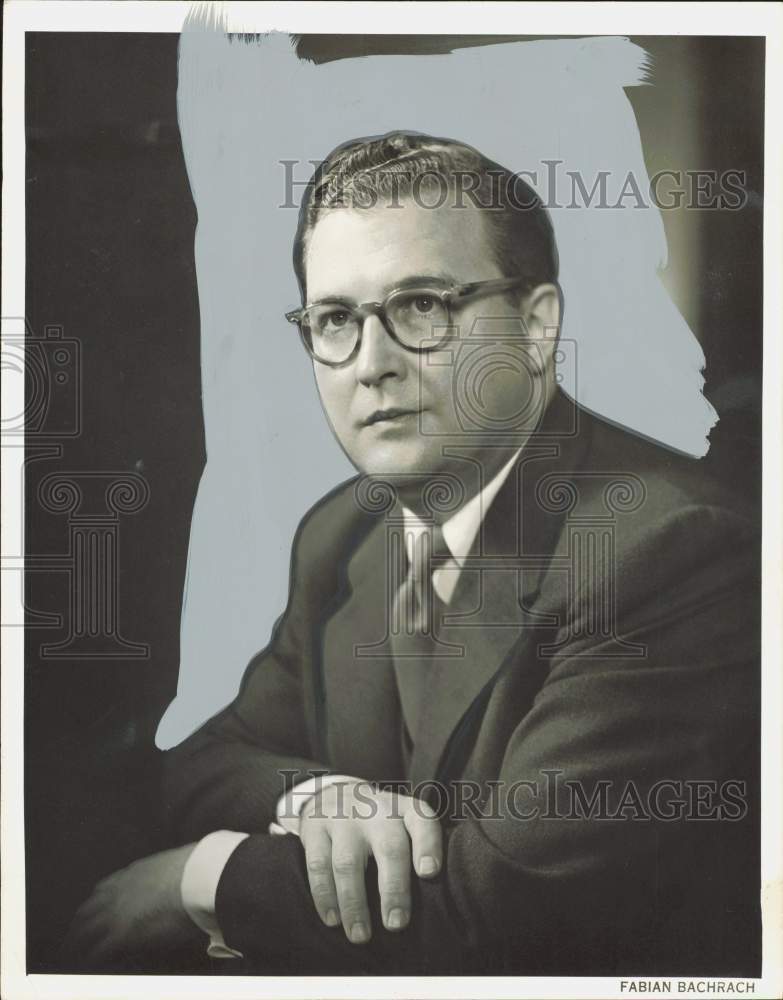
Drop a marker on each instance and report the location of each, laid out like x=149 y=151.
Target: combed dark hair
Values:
x=396 y=165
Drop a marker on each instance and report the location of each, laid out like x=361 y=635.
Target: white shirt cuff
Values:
x=199 y=886
x=290 y=805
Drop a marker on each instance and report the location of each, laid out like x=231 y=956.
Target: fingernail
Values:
x=359 y=933
x=332 y=918
x=396 y=919
x=427 y=866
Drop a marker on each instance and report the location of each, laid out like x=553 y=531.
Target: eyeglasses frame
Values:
x=449 y=295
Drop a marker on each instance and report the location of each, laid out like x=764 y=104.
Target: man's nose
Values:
x=379 y=356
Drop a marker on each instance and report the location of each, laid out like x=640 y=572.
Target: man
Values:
x=507 y=721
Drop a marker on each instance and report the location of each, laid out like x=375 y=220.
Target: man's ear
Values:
x=541 y=312
x=541 y=309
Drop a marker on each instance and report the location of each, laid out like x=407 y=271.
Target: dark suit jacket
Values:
x=610 y=632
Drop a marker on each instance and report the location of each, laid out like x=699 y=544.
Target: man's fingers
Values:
x=337 y=850
x=349 y=856
x=393 y=857
x=318 y=857
x=426 y=839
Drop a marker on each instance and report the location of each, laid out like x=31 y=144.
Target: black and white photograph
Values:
x=391 y=500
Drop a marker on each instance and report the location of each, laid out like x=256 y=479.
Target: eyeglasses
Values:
x=418 y=318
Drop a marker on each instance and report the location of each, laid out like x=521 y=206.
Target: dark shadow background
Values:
x=110 y=227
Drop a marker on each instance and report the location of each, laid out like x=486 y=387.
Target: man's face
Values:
x=362 y=255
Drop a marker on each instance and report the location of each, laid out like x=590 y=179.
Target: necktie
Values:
x=416 y=596
x=415 y=614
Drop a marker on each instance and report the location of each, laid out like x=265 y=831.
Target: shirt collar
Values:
x=459 y=531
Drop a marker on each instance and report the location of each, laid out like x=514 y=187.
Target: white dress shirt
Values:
x=209 y=857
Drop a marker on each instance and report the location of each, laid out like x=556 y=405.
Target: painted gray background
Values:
x=243 y=108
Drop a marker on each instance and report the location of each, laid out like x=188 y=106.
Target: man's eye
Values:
x=335 y=320
x=424 y=304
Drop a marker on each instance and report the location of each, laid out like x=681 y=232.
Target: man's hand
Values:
x=341 y=827
x=133 y=910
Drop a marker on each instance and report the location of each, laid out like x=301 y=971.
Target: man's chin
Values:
x=410 y=482
x=399 y=471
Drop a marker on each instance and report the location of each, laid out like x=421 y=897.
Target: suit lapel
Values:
x=494 y=606
x=363 y=721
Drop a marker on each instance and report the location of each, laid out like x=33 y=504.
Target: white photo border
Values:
x=748 y=19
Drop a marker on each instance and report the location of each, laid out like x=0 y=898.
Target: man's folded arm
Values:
x=540 y=873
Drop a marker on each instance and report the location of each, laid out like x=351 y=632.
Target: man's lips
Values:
x=388 y=416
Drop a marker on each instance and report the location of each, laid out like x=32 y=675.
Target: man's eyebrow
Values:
x=413 y=281
x=416 y=280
